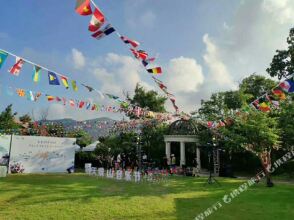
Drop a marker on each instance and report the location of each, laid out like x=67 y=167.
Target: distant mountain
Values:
x=98 y=127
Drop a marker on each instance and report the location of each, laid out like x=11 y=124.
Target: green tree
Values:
x=219 y=105
x=7 y=119
x=153 y=141
x=256 y=132
x=254 y=86
x=282 y=64
x=83 y=138
x=148 y=99
x=25 y=119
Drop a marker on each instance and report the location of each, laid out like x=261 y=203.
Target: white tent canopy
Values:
x=90 y=147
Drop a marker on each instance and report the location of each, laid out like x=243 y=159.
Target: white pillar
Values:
x=183 y=155
x=167 y=149
x=198 y=158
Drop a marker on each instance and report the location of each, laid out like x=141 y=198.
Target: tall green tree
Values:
x=148 y=99
x=282 y=64
x=256 y=132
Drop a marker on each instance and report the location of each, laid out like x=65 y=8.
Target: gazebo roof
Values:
x=183 y=127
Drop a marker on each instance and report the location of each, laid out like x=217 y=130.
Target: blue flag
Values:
x=53 y=79
x=3 y=56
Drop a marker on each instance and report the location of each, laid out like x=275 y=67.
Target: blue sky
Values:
x=204 y=46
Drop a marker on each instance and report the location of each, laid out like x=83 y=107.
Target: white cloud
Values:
x=218 y=70
x=184 y=75
x=282 y=10
x=120 y=73
x=77 y=58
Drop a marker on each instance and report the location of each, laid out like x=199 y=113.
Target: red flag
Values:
x=83 y=7
x=81 y=105
x=139 y=54
x=15 y=69
x=97 y=20
x=129 y=41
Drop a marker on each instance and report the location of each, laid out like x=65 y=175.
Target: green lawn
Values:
x=82 y=197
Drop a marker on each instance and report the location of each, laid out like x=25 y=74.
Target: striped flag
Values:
x=104 y=32
x=16 y=68
x=156 y=70
x=50 y=98
x=83 y=7
x=36 y=74
x=64 y=81
x=74 y=85
x=97 y=20
x=129 y=41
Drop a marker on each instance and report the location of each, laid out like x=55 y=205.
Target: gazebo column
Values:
x=167 y=149
x=198 y=158
x=183 y=154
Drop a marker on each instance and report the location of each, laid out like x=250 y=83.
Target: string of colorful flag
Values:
x=53 y=78
x=130 y=110
x=79 y=104
x=265 y=103
x=101 y=27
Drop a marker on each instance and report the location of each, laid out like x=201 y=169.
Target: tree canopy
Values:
x=282 y=64
x=148 y=99
x=7 y=119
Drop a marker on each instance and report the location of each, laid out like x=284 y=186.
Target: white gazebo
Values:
x=182 y=131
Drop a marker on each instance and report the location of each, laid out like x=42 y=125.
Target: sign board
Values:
x=4 y=149
x=34 y=154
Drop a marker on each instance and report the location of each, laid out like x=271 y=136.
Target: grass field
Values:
x=83 y=197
